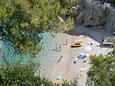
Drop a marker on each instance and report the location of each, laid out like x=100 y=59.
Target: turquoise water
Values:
x=47 y=57
x=10 y=54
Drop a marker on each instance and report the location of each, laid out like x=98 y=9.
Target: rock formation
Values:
x=91 y=13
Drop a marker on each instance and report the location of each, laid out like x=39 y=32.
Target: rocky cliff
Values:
x=92 y=14
x=110 y=20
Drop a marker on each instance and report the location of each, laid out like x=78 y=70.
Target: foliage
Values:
x=70 y=23
x=66 y=6
x=24 y=20
x=112 y=39
x=111 y=1
x=72 y=83
x=102 y=72
x=66 y=25
x=20 y=74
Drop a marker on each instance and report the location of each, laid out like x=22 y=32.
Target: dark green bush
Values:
x=102 y=72
x=20 y=74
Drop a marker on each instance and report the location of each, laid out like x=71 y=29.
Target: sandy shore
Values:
x=66 y=68
x=60 y=62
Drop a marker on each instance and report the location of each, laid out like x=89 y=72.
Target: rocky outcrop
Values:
x=110 y=20
x=91 y=13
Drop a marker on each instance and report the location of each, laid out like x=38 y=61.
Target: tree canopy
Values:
x=102 y=72
x=20 y=74
x=24 y=20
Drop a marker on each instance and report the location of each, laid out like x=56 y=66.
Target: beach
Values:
x=57 y=63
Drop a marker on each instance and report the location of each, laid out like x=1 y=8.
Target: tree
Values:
x=20 y=74
x=24 y=20
x=66 y=6
x=23 y=74
x=102 y=72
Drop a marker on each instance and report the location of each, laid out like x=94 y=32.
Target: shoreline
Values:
x=65 y=69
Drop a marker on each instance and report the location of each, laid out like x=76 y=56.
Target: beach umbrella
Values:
x=81 y=56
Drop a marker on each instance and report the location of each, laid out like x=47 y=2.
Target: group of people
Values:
x=60 y=47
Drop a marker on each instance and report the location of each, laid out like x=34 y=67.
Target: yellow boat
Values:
x=76 y=44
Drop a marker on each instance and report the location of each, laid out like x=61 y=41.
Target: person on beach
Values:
x=60 y=59
x=60 y=47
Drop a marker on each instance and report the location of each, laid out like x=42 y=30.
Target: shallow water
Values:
x=8 y=53
x=49 y=55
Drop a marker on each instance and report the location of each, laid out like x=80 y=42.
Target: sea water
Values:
x=9 y=53
x=47 y=57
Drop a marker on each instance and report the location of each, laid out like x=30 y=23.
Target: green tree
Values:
x=66 y=6
x=102 y=72
x=24 y=20
x=20 y=74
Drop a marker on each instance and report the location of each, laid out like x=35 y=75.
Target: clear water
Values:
x=47 y=57
x=9 y=53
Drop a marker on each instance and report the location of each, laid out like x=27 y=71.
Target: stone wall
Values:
x=110 y=20
x=89 y=10
x=93 y=9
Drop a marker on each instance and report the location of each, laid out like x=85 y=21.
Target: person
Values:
x=60 y=59
x=60 y=47
x=91 y=43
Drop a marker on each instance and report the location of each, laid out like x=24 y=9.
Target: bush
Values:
x=20 y=74
x=102 y=72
